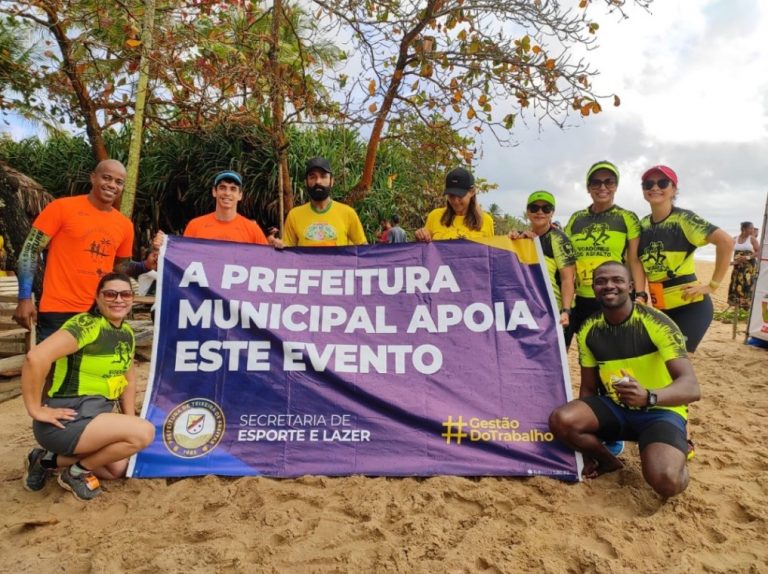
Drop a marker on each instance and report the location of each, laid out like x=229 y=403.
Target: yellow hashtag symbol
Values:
x=454 y=430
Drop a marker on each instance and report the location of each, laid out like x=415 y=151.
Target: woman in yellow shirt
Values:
x=462 y=217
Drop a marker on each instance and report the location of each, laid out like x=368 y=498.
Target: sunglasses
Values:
x=111 y=295
x=663 y=183
x=535 y=208
x=597 y=183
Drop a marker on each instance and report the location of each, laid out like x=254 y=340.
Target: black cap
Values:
x=317 y=163
x=458 y=182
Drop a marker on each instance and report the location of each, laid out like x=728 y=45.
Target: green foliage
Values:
x=727 y=315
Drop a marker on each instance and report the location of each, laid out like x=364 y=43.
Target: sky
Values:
x=692 y=76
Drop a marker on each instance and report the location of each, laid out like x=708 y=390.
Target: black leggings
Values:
x=693 y=320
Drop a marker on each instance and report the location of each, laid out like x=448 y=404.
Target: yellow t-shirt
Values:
x=338 y=225
x=457 y=230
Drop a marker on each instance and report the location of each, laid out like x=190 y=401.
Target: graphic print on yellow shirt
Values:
x=558 y=253
x=98 y=366
x=640 y=345
x=338 y=225
x=597 y=238
x=666 y=251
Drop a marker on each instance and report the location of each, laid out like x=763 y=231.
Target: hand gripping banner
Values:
x=403 y=359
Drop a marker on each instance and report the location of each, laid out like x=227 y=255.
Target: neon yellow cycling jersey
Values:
x=641 y=346
x=98 y=366
x=597 y=238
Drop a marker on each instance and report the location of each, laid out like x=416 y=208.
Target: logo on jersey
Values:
x=653 y=257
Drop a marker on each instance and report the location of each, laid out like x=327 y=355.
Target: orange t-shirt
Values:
x=85 y=242
x=240 y=229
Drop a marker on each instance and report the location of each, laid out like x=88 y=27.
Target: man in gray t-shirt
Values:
x=396 y=233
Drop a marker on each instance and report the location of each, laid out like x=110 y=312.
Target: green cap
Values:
x=603 y=165
x=541 y=195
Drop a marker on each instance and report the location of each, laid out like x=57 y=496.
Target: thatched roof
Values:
x=31 y=196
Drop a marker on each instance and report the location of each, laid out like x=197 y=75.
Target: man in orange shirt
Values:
x=225 y=223
x=86 y=238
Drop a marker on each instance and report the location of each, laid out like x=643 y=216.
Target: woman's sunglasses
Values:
x=111 y=295
x=535 y=207
x=662 y=183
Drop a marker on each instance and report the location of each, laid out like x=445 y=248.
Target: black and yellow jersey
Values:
x=666 y=252
x=597 y=238
x=641 y=345
x=558 y=253
x=98 y=366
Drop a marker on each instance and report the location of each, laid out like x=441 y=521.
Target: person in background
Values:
x=462 y=217
x=75 y=422
x=669 y=237
x=396 y=233
x=636 y=385
x=558 y=251
x=601 y=232
x=322 y=221
x=746 y=249
x=383 y=235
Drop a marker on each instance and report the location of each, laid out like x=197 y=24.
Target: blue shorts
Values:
x=641 y=426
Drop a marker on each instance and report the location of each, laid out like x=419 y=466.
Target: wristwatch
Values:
x=651 y=400
x=566 y=311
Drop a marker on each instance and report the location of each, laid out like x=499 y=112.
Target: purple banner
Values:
x=403 y=359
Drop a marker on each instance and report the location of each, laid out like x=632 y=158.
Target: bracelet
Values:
x=566 y=311
x=714 y=284
x=641 y=294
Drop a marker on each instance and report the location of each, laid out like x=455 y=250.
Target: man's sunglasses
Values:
x=597 y=183
x=663 y=183
x=535 y=207
x=111 y=295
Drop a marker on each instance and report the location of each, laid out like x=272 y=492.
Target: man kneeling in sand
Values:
x=636 y=385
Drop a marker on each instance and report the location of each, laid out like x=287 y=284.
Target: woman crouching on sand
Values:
x=75 y=424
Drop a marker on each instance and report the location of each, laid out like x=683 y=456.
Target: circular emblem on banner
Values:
x=194 y=428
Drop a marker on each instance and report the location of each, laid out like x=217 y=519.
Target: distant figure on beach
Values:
x=396 y=233
x=746 y=250
x=462 y=217
x=669 y=237
x=75 y=422
x=636 y=385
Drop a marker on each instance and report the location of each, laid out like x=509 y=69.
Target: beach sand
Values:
x=614 y=523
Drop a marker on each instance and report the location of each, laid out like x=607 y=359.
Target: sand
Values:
x=615 y=523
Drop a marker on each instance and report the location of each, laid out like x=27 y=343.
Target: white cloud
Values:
x=694 y=92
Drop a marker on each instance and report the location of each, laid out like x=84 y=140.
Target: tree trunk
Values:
x=127 y=198
x=277 y=98
x=87 y=106
x=362 y=187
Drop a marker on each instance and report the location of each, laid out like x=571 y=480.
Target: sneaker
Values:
x=691 y=450
x=84 y=487
x=615 y=447
x=34 y=473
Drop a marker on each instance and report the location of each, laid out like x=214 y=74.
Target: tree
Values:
x=17 y=85
x=478 y=64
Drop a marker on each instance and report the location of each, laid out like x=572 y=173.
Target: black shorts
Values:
x=64 y=441
x=583 y=309
x=50 y=322
x=641 y=426
x=694 y=320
